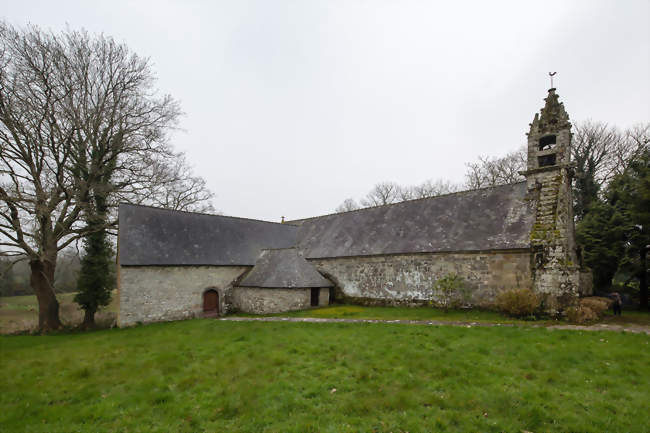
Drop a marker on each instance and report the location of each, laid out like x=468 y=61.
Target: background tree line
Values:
x=14 y=278
x=611 y=192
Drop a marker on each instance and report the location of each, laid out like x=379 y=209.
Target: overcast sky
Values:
x=293 y=106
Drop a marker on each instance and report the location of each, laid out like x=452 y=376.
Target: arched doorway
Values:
x=211 y=302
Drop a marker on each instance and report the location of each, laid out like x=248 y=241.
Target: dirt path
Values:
x=636 y=329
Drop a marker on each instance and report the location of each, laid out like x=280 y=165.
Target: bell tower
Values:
x=548 y=176
x=549 y=139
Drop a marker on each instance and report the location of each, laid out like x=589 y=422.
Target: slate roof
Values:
x=154 y=236
x=283 y=268
x=494 y=218
x=486 y=219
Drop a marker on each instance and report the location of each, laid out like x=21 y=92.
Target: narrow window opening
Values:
x=546 y=160
x=547 y=142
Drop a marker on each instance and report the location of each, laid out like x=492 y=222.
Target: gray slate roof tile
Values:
x=283 y=268
x=153 y=236
x=485 y=219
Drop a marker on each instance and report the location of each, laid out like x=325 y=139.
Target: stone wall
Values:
x=256 y=300
x=410 y=278
x=159 y=293
x=324 y=297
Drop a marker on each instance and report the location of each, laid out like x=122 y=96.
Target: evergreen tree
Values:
x=601 y=235
x=96 y=278
x=629 y=194
x=585 y=189
x=615 y=231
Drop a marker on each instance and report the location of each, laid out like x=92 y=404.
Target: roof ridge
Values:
x=205 y=214
x=406 y=201
x=275 y=249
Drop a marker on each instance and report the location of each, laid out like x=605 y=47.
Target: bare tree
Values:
x=634 y=144
x=348 y=205
x=37 y=192
x=170 y=184
x=592 y=152
x=381 y=194
x=434 y=188
x=406 y=193
x=496 y=171
x=390 y=192
x=80 y=128
x=427 y=189
x=600 y=152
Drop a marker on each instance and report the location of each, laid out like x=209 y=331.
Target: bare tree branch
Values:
x=81 y=128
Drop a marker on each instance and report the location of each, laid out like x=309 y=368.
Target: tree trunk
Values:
x=89 y=319
x=42 y=282
x=643 y=281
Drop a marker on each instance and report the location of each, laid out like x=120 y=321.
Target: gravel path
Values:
x=597 y=327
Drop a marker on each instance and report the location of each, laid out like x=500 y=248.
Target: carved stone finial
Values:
x=553 y=117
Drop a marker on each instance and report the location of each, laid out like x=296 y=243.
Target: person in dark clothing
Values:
x=617 y=303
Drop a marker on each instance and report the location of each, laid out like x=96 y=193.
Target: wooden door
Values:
x=211 y=301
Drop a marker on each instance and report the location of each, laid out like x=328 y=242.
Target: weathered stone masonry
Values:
x=259 y=300
x=556 y=270
x=519 y=235
x=159 y=293
x=410 y=278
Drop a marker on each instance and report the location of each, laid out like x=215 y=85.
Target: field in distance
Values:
x=20 y=313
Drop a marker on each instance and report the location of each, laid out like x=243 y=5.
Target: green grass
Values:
x=207 y=375
x=634 y=318
x=629 y=318
x=400 y=313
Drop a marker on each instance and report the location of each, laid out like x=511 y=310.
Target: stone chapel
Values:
x=174 y=265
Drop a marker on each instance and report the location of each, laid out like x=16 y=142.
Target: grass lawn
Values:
x=399 y=313
x=632 y=318
x=217 y=376
x=641 y=318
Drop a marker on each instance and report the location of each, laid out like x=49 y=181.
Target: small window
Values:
x=546 y=160
x=547 y=142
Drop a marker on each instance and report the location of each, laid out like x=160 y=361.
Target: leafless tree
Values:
x=635 y=142
x=489 y=171
x=170 y=184
x=390 y=192
x=593 y=149
x=348 y=205
x=600 y=152
x=80 y=125
x=434 y=188
x=381 y=194
x=427 y=189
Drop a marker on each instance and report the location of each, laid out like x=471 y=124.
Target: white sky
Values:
x=293 y=106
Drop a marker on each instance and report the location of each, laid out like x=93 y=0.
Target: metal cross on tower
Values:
x=551 y=74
